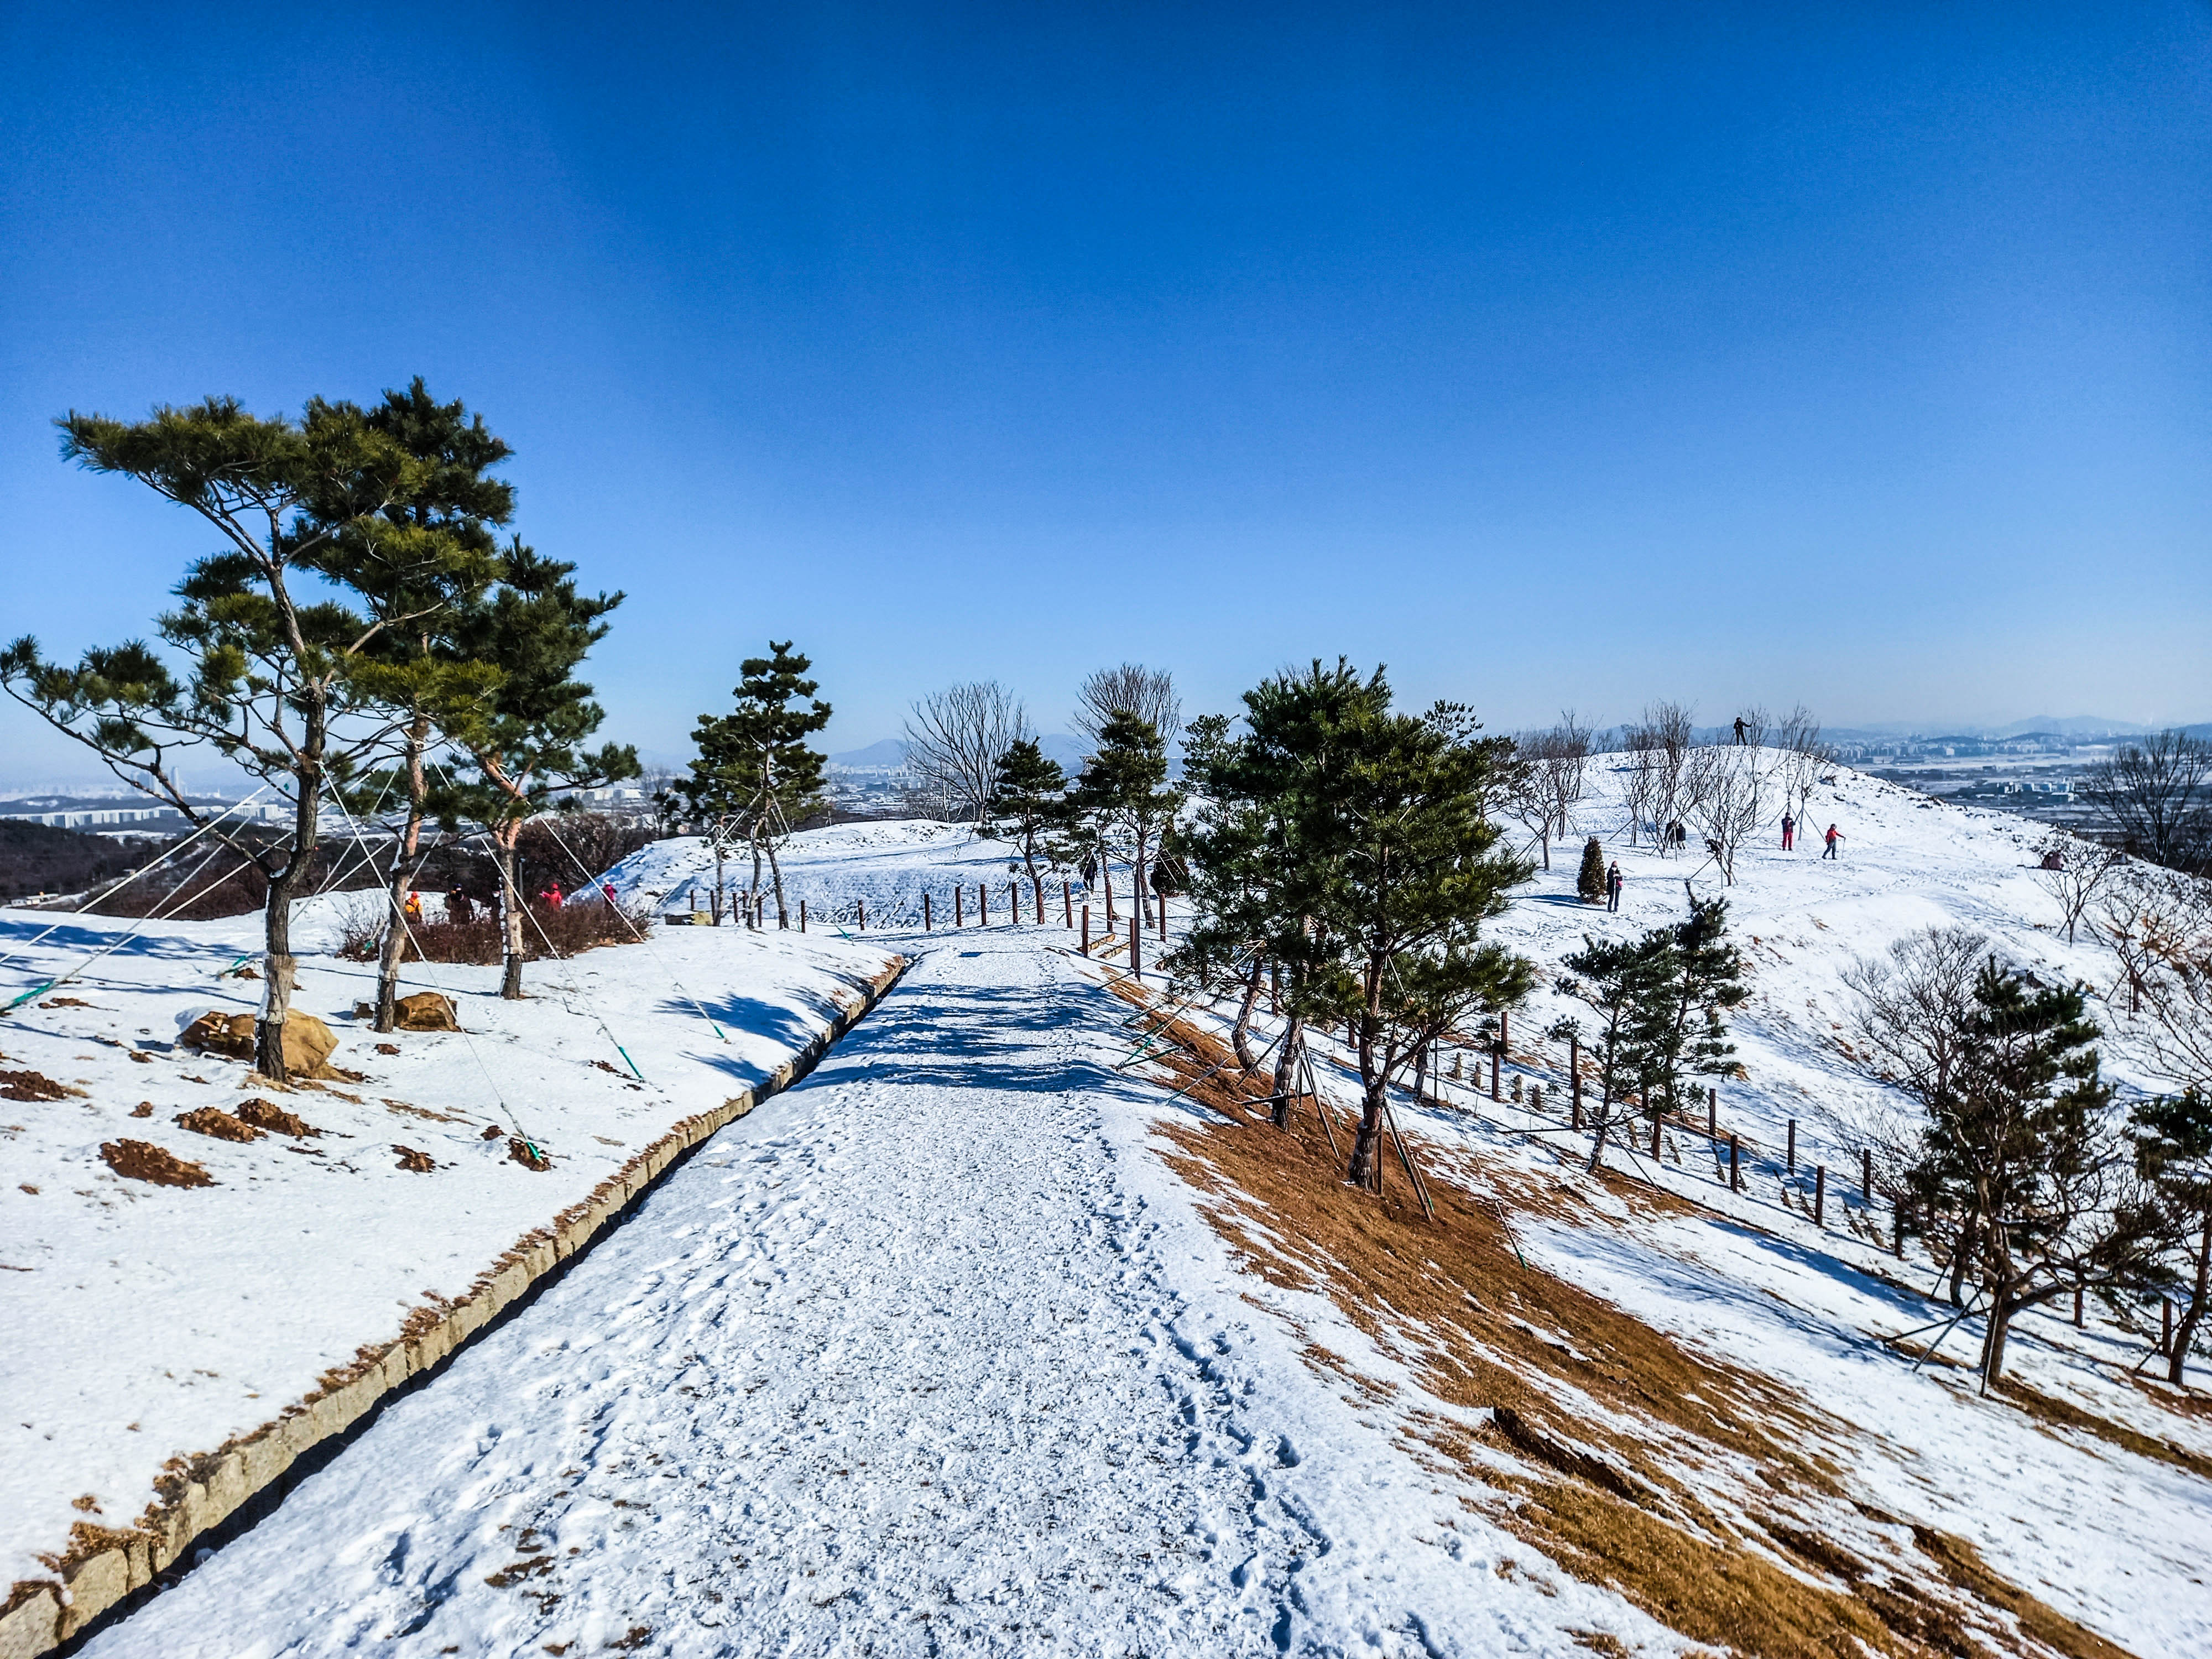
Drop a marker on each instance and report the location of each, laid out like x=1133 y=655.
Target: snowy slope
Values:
x=929 y=1355
x=149 y=1322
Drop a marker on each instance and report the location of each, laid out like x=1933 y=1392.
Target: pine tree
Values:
x=1703 y=984
x=754 y=775
x=2172 y=1140
x=1028 y=797
x=1589 y=880
x=1124 y=792
x=1625 y=983
x=526 y=740
x=271 y=628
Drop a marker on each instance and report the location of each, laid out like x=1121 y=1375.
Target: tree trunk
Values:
x=1240 y=1034
x=2186 y=1331
x=278 y=965
x=1367 y=1150
x=510 y=912
x=752 y=894
x=1545 y=836
x=720 y=858
x=1287 y=1071
x=280 y=971
x=405 y=865
x=1962 y=1250
x=776 y=873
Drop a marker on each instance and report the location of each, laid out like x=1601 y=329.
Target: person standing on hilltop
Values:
x=1789 y=832
x=1740 y=736
x=1835 y=835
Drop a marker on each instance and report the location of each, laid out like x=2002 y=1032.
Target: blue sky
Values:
x=1552 y=355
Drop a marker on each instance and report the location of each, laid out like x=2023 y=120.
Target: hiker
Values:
x=1789 y=832
x=412 y=910
x=608 y=888
x=1834 y=835
x=1739 y=737
x=460 y=909
x=1612 y=886
x=552 y=897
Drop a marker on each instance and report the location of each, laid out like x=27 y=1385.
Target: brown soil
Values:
x=214 y=1120
x=142 y=1160
x=30 y=1085
x=65 y=1002
x=1703 y=1492
x=143 y=1109
x=267 y=1115
x=420 y=1163
x=2060 y=1413
x=521 y=1152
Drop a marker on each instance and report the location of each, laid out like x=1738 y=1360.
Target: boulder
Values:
x=427 y=1011
x=307 y=1042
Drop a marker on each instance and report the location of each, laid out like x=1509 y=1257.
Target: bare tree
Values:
x=953 y=741
x=1724 y=791
x=1672 y=738
x=1804 y=755
x=2156 y=796
x=2159 y=924
x=1639 y=790
x=1130 y=689
x=2072 y=871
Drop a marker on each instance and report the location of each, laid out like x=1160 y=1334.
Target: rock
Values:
x=307 y=1042
x=219 y=1033
x=427 y=1011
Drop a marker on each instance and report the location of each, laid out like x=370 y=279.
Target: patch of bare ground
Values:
x=1703 y=1492
x=2062 y=1414
x=267 y=1115
x=32 y=1085
x=142 y=1160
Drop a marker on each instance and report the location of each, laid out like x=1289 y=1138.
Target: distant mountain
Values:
x=880 y=757
x=2071 y=726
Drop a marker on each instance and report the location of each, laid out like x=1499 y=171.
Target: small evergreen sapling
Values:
x=1589 y=880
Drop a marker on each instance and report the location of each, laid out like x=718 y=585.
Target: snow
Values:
x=146 y=1323
x=935 y=1352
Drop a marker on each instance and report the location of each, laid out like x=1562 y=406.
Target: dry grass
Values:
x=1702 y=1492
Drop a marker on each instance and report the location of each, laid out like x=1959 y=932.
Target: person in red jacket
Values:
x=1834 y=837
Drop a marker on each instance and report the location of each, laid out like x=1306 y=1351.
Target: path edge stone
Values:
x=101 y=1566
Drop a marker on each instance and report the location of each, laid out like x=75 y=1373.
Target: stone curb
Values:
x=104 y=1566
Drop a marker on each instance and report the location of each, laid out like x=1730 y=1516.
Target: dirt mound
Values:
x=267 y=1115
x=420 y=1163
x=215 y=1121
x=526 y=1155
x=427 y=1011
x=142 y=1160
x=219 y=1033
x=31 y=1085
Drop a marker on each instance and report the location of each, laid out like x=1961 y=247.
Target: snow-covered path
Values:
x=890 y=1367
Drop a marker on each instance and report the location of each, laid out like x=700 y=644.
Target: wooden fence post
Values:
x=1575 y=1076
x=1866 y=1174
x=1136 y=949
x=1067 y=903
x=982 y=905
x=1497 y=1055
x=1736 y=1164
x=1106 y=887
x=1163 y=898
x=802 y=915
x=1793 y=1146
x=1820 y=1196
x=1712 y=1113
x=2077 y=1304
x=1086 y=930
x=862 y=905
x=957 y=892
x=1013 y=904
x=925 y=913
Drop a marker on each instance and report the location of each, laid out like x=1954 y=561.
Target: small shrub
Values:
x=1589 y=880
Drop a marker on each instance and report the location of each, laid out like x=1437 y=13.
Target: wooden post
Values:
x=1793 y=1146
x=982 y=905
x=1574 y=1078
x=1897 y=1235
x=1275 y=989
x=1013 y=904
x=802 y=915
x=2077 y=1304
x=1106 y=887
x=1820 y=1196
x=925 y=913
x=863 y=906
x=1866 y=1174
x=1712 y=1113
x=1504 y=1042
x=956 y=894
x=1038 y=883
x=1086 y=930
x=2165 y=1325
x=1735 y=1164
x=1497 y=1055
x=1067 y=903
x=1136 y=947
x=1655 y=1135
x=1163 y=898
